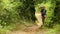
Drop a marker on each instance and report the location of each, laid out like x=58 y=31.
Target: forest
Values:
x=18 y=16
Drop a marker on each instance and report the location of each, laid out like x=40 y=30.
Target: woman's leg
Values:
x=43 y=19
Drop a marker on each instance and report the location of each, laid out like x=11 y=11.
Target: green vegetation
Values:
x=14 y=12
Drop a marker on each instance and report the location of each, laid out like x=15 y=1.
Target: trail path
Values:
x=32 y=29
x=23 y=32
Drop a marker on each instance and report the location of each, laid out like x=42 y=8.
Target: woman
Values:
x=43 y=13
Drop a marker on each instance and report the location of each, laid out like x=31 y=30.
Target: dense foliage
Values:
x=22 y=11
x=19 y=12
x=16 y=11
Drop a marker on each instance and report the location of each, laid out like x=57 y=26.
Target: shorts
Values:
x=44 y=16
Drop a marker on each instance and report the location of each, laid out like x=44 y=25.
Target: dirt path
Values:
x=39 y=31
x=32 y=29
x=23 y=32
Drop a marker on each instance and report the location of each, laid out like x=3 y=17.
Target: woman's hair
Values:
x=42 y=6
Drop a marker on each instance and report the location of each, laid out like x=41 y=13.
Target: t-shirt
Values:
x=43 y=11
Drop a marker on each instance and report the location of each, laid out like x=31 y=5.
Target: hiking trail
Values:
x=32 y=29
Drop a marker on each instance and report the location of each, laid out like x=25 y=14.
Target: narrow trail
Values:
x=32 y=29
x=23 y=32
